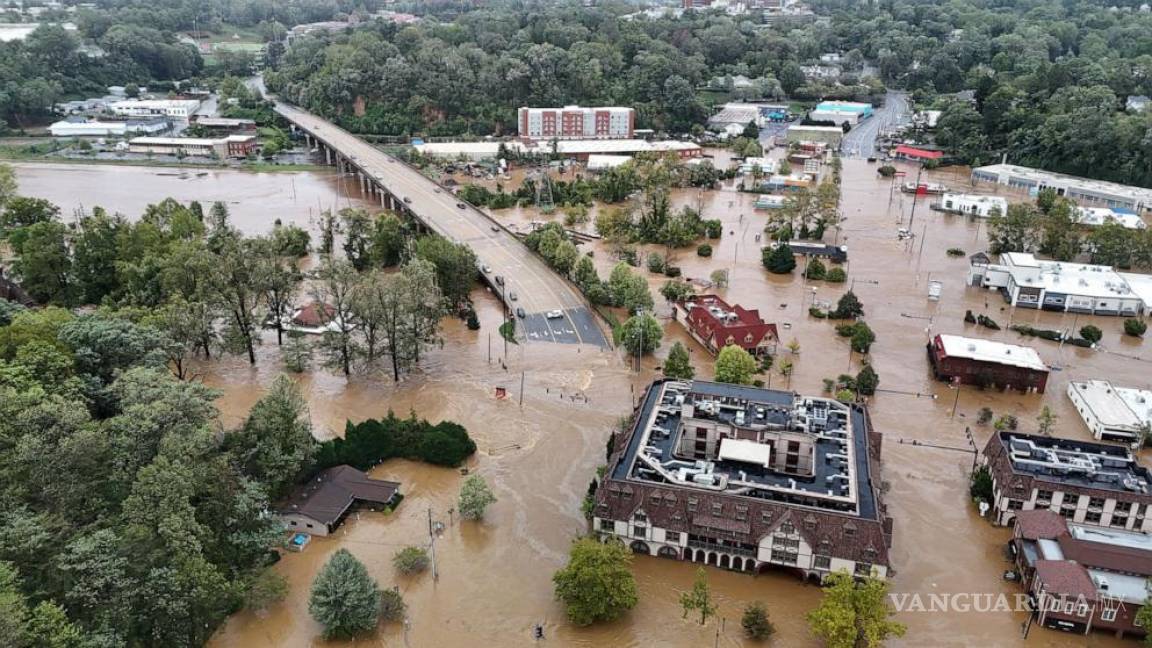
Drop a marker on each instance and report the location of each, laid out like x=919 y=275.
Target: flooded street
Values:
x=495 y=576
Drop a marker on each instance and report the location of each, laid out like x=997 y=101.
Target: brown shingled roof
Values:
x=1040 y=524
x=331 y=492
x=1067 y=578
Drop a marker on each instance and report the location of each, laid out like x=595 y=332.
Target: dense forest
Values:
x=1050 y=80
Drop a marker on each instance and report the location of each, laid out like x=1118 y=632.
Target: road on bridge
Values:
x=538 y=289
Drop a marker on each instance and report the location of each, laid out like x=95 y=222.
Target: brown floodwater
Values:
x=495 y=576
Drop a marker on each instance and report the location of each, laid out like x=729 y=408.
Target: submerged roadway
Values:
x=528 y=282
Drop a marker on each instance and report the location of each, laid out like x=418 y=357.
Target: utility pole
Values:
x=915 y=197
x=489 y=347
x=432 y=545
x=522 y=389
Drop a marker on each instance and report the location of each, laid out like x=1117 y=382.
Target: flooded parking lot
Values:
x=495 y=576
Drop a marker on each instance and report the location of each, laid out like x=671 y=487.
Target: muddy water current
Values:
x=494 y=577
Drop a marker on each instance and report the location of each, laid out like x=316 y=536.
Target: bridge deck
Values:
x=537 y=287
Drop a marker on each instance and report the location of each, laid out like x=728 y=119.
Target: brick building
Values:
x=748 y=479
x=1088 y=483
x=1082 y=578
x=984 y=363
x=575 y=122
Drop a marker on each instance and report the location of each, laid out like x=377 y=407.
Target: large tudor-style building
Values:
x=1087 y=483
x=714 y=324
x=748 y=479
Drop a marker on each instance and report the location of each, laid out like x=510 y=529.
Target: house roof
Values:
x=1065 y=577
x=1040 y=524
x=314 y=315
x=711 y=317
x=332 y=491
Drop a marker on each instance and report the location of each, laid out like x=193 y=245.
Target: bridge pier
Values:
x=328 y=156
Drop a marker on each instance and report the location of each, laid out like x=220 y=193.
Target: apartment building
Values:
x=1086 y=482
x=748 y=479
x=575 y=122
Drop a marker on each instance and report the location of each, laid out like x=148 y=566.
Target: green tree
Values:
x=629 y=290
x=1091 y=333
x=779 y=259
x=24 y=212
x=862 y=338
x=1134 y=327
x=1144 y=616
x=1111 y=244
x=265 y=589
x=1059 y=237
x=597 y=583
x=235 y=285
x=851 y=614
x=455 y=266
x=275 y=445
x=677 y=365
x=345 y=600
x=848 y=307
x=815 y=270
x=699 y=598
x=981 y=487
x=1046 y=421
x=641 y=334
x=867 y=380
x=475 y=496
x=7 y=185
x=95 y=254
x=44 y=265
x=410 y=560
x=1017 y=231
x=755 y=622
x=735 y=365
x=388 y=240
x=335 y=295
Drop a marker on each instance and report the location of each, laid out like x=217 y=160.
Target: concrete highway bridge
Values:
x=516 y=274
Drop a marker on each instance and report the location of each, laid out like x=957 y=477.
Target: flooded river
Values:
x=495 y=577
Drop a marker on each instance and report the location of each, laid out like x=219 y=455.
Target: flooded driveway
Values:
x=495 y=576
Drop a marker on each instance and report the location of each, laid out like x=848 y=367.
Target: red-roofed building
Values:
x=715 y=324
x=1082 y=577
x=905 y=152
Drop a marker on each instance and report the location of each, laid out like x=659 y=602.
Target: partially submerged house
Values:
x=320 y=505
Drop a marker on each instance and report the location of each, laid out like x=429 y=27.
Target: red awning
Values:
x=912 y=152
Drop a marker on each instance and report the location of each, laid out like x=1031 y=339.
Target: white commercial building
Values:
x=601 y=162
x=84 y=128
x=973 y=205
x=575 y=122
x=1098 y=216
x=767 y=166
x=1087 y=193
x=838 y=117
x=1112 y=412
x=1028 y=282
x=175 y=108
x=830 y=135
